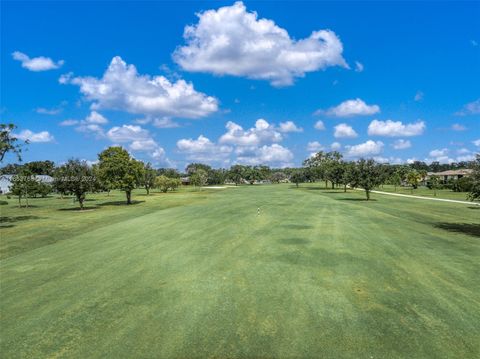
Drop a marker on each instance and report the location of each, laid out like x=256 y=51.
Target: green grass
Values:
x=426 y=192
x=318 y=274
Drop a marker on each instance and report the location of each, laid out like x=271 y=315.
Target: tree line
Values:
x=116 y=169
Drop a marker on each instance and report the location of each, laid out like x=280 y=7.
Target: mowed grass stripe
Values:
x=313 y=275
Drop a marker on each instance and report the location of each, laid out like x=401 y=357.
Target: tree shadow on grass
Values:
x=316 y=188
x=6 y=225
x=6 y=219
x=120 y=203
x=3 y=203
x=77 y=209
x=470 y=229
x=294 y=241
x=357 y=199
x=297 y=226
x=474 y=207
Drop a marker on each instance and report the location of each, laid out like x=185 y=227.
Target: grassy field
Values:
x=425 y=192
x=318 y=273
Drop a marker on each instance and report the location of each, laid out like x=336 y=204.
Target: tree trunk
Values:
x=297 y=184
x=19 y=201
x=148 y=190
x=344 y=188
x=80 y=201
x=367 y=192
x=395 y=186
x=326 y=184
x=333 y=185
x=129 y=197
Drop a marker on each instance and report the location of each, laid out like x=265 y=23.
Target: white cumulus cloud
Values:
x=315 y=146
x=28 y=135
x=401 y=144
x=471 y=108
x=289 y=126
x=123 y=88
x=319 y=125
x=202 y=149
x=36 y=64
x=368 y=148
x=344 y=131
x=350 y=108
x=263 y=132
x=233 y=41
x=273 y=155
x=391 y=128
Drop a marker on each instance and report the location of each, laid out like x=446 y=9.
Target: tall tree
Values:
x=236 y=174
x=199 y=178
x=8 y=141
x=23 y=185
x=369 y=175
x=149 y=177
x=77 y=178
x=116 y=167
x=475 y=191
x=298 y=176
x=434 y=181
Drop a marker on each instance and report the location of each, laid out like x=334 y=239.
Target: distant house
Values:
x=445 y=176
x=185 y=181
x=6 y=182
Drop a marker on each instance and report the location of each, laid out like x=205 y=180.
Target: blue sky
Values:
x=252 y=82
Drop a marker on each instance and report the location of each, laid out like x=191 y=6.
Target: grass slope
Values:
x=319 y=273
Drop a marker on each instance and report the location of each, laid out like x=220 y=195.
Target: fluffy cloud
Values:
x=401 y=144
x=95 y=117
x=314 y=146
x=127 y=133
x=48 y=111
x=335 y=146
x=472 y=108
x=439 y=155
x=391 y=128
x=274 y=155
x=458 y=127
x=263 y=132
x=122 y=88
x=202 y=149
x=42 y=136
x=319 y=125
x=289 y=126
x=365 y=149
x=476 y=142
x=36 y=64
x=350 y=108
x=344 y=131
x=69 y=122
x=232 y=41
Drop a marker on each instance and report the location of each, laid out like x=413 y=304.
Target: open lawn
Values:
x=425 y=192
x=319 y=273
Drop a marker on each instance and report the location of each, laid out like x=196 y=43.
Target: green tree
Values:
x=236 y=174
x=149 y=177
x=395 y=179
x=298 y=176
x=23 y=185
x=434 y=182
x=475 y=191
x=41 y=167
x=413 y=177
x=369 y=175
x=8 y=141
x=199 y=178
x=117 y=168
x=75 y=178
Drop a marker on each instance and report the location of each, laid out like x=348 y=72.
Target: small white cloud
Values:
x=95 y=117
x=148 y=144
x=165 y=123
x=368 y=148
x=48 y=111
x=401 y=144
x=36 y=64
x=418 y=96
x=359 y=66
x=122 y=88
x=439 y=155
x=42 y=136
x=263 y=132
x=289 y=126
x=476 y=142
x=127 y=133
x=335 y=146
x=90 y=128
x=458 y=127
x=233 y=41
x=69 y=122
x=472 y=108
x=391 y=128
x=319 y=125
x=350 y=108
x=315 y=146
x=344 y=131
